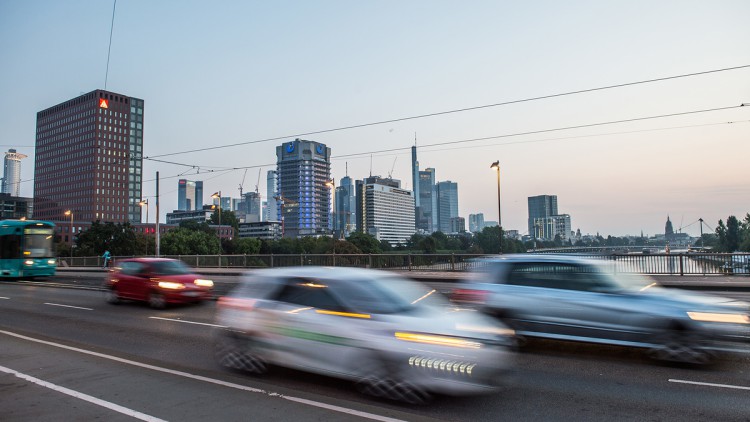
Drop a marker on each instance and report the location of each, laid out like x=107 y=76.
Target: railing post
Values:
x=244 y=261
x=409 y=262
x=301 y=260
x=453 y=262
x=682 y=272
x=369 y=260
x=271 y=260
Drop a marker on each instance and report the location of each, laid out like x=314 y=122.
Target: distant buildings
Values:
x=272 y=211
x=458 y=225
x=12 y=173
x=189 y=195
x=303 y=169
x=476 y=222
x=427 y=211
x=264 y=230
x=544 y=221
x=384 y=210
x=89 y=158
x=14 y=207
x=447 y=205
x=346 y=207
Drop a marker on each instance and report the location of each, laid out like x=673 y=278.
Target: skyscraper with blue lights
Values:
x=303 y=168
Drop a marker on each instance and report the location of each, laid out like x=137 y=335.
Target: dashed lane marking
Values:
x=69 y=306
x=82 y=396
x=708 y=384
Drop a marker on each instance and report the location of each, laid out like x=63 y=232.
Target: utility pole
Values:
x=158 y=249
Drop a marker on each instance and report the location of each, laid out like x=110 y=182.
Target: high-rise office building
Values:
x=89 y=158
x=540 y=207
x=271 y=193
x=544 y=220
x=447 y=205
x=346 y=207
x=385 y=210
x=251 y=207
x=189 y=195
x=476 y=222
x=12 y=172
x=427 y=211
x=303 y=170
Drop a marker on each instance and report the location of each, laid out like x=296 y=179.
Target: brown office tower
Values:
x=89 y=159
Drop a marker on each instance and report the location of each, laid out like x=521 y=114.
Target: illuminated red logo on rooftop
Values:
x=103 y=103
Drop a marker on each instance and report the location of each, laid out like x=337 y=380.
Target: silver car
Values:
x=568 y=298
x=393 y=337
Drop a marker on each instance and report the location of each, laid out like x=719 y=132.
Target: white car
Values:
x=568 y=298
x=393 y=337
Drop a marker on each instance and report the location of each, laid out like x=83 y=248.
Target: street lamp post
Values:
x=70 y=235
x=218 y=195
x=496 y=166
x=144 y=203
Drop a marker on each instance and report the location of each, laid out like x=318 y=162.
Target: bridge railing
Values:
x=680 y=264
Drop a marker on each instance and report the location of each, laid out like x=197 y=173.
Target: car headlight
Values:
x=719 y=317
x=51 y=262
x=29 y=262
x=204 y=283
x=438 y=340
x=171 y=285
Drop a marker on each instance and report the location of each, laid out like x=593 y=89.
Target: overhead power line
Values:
x=464 y=141
x=460 y=110
x=635 y=119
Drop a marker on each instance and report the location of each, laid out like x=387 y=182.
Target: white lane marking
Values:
x=209 y=380
x=69 y=306
x=708 y=384
x=186 y=322
x=82 y=396
x=2 y=297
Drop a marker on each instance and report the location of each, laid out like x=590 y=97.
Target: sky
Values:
x=232 y=72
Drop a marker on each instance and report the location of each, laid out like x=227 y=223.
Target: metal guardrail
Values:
x=678 y=264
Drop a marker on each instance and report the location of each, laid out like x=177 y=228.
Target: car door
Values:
x=312 y=324
x=130 y=281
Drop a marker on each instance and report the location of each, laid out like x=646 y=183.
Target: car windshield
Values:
x=386 y=295
x=169 y=268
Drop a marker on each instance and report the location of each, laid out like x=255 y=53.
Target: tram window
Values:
x=10 y=246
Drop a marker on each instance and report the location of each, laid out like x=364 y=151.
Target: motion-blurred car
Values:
x=568 y=298
x=393 y=337
x=158 y=281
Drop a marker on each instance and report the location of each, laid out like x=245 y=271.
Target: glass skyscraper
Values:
x=303 y=168
x=447 y=204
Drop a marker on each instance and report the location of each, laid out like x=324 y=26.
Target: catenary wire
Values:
x=460 y=110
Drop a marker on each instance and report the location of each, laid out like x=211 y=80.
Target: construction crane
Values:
x=243 y=182
x=257 y=183
x=392 y=167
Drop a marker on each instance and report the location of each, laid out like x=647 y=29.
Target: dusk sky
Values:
x=227 y=72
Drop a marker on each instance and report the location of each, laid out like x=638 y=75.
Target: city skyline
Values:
x=241 y=78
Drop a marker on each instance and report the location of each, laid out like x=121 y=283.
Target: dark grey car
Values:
x=568 y=298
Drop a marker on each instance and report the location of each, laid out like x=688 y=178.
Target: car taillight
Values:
x=469 y=296
x=227 y=302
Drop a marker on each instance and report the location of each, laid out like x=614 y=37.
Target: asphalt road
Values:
x=66 y=354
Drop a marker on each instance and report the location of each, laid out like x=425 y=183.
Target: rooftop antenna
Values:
x=347 y=169
x=109 y=50
x=370 y=165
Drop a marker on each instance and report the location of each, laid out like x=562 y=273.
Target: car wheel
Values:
x=380 y=379
x=156 y=300
x=233 y=352
x=680 y=345
x=112 y=296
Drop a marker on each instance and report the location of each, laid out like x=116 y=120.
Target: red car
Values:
x=158 y=281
